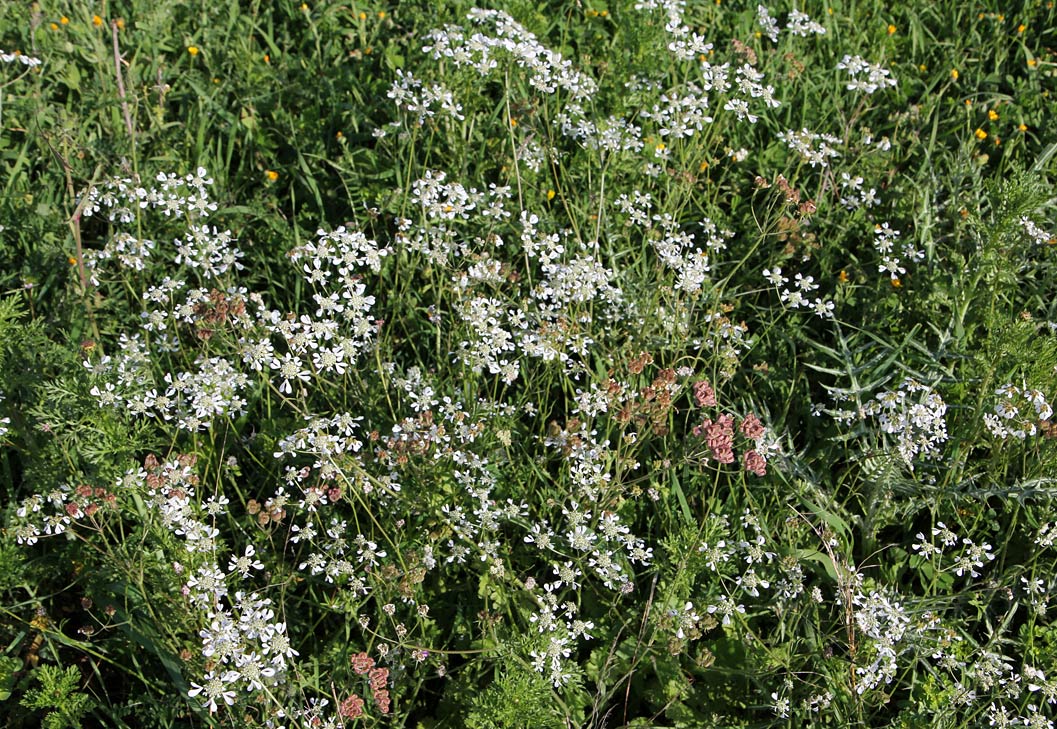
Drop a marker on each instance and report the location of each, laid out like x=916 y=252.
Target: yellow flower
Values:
x=1022 y=127
x=193 y=50
x=72 y=261
x=891 y=29
x=1021 y=28
x=923 y=68
x=97 y=21
x=513 y=122
x=992 y=115
x=896 y=283
x=362 y=16
x=980 y=134
x=954 y=74
x=267 y=58
x=272 y=175
x=843 y=276
x=53 y=26
x=120 y=23
x=381 y=15
x=64 y=20
x=550 y=195
x=1031 y=63
x=592 y=13
x=304 y=7
x=339 y=136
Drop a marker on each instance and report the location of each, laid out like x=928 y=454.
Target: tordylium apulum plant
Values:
x=648 y=364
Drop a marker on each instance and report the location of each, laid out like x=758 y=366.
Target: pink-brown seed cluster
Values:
x=719 y=433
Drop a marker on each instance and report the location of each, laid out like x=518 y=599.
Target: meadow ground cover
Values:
x=647 y=364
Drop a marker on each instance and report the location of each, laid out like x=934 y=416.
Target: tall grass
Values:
x=640 y=364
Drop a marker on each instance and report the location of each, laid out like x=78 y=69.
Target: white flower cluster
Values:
x=678 y=250
x=1017 y=412
x=971 y=557
x=120 y=201
x=914 y=413
x=1035 y=232
x=853 y=196
x=192 y=399
x=249 y=648
x=815 y=149
x=19 y=57
x=799 y=296
x=444 y=205
x=612 y=135
x=883 y=619
x=865 y=77
x=680 y=115
x=798 y=24
x=885 y=239
x=546 y=69
x=422 y=100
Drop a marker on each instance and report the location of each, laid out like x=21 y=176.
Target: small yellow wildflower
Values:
x=53 y=26
x=980 y=134
x=998 y=142
x=381 y=15
x=605 y=13
x=891 y=29
x=272 y=175
x=72 y=261
x=304 y=7
x=513 y=122
x=267 y=58
x=550 y=195
x=1021 y=28
x=97 y=21
x=1022 y=127
x=592 y=13
x=703 y=166
x=954 y=74
x=923 y=68
x=193 y=50
x=992 y=115
x=339 y=136
x=362 y=15
x=843 y=276
x=896 y=283
x=1032 y=62
x=120 y=23
x=64 y=20
x=660 y=147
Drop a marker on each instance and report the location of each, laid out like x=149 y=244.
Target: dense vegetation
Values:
x=648 y=364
